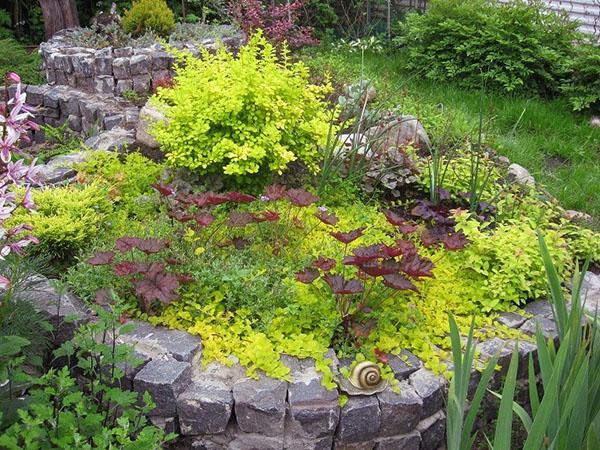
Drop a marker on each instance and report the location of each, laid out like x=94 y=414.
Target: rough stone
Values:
x=35 y=94
x=360 y=420
x=103 y=66
x=82 y=64
x=63 y=63
x=204 y=408
x=45 y=298
x=51 y=99
x=539 y=308
x=113 y=121
x=577 y=216
x=429 y=387
x=595 y=121
x=141 y=83
x=162 y=61
x=404 y=364
x=123 y=52
x=410 y=441
x=74 y=123
x=520 y=175
x=547 y=327
x=260 y=405
x=148 y=116
x=511 y=319
x=400 y=412
x=60 y=168
x=139 y=64
x=165 y=379
x=158 y=342
x=104 y=84
x=432 y=430
x=313 y=411
x=245 y=441
x=115 y=139
x=123 y=86
x=167 y=424
x=398 y=133
x=496 y=346
x=590 y=292
x=121 y=69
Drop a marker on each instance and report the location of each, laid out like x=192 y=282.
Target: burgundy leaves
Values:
x=341 y=286
x=300 y=197
x=348 y=237
x=150 y=280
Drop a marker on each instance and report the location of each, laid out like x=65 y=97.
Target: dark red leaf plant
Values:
x=135 y=259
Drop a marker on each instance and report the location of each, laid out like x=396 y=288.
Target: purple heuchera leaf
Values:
x=416 y=267
x=300 y=197
x=398 y=282
x=127 y=243
x=350 y=236
x=274 y=192
x=208 y=199
x=156 y=285
x=380 y=268
x=327 y=218
x=240 y=219
x=268 y=216
x=308 y=275
x=364 y=254
x=238 y=197
x=101 y=258
x=323 y=263
x=204 y=219
x=340 y=286
x=163 y=189
x=126 y=268
x=151 y=245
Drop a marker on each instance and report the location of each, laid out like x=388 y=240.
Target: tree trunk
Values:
x=58 y=15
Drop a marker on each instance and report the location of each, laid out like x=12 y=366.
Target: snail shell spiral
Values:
x=366 y=375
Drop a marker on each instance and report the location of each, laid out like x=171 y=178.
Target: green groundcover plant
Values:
x=149 y=15
x=242 y=115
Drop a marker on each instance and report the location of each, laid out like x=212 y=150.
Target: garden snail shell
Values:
x=366 y=375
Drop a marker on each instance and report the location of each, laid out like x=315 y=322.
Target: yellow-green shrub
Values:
x=66 y=218
x=238 y=115
x=149 y=15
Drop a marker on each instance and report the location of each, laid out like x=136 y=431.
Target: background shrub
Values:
x=583 y=85
x=244 y=114
x=515 y=47
x=149 y=15
x=14 y=58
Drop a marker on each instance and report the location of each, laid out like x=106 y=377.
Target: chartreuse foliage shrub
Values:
x=511 y=47
x=66 y=218
x=241 y=115
x=149 y=15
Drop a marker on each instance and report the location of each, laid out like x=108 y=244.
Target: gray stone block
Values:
x=112 y=121
x=63 y=63
x=167 y=424
x=432 y=430
x=539 y=308
x=51 y=98
x=410 y=441
x=141 y=83
x=103 y=66
x=165 y=379
x=139 y=65
x=429 y=387
x=400 y=412
x=313 y=411
x=547 y=327
x=260 y=405
x=35 y=94
x=244 y=441
x=104 y=84
x=121 y=68
x=146 y=338
x=89 y=110
x=404 y=364
x=72 y=106
x=496 y=346
x=162 y=61
x=360 y=420
x=50 y=76
x=511 y=319
x=84 y=83
x=123 y=52
x=83 y=65
x=204 y=408
x=123 y=86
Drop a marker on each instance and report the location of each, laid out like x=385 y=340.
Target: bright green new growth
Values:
x=245 y=114
x=149 y=15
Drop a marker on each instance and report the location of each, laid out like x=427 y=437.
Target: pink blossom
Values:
x=11 y=76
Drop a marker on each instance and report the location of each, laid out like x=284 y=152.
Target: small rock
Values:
x=410 y=441
x=547 y=327
x=360 y=420
x=398 y=133
x=260 y=405
x=400 y=412
x=204 y=408
x=577 y=216
x=432 y=430
x=539 y=308
x=430 y=388
x=115 y=139
x=520 y=175
x=590 y=292
x=595 y=121
x=511 y=319
x=404 y=364
x=149 y=115
x=165 y=380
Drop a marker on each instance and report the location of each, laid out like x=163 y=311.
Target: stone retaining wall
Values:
x=218 y=407
x=112 y=70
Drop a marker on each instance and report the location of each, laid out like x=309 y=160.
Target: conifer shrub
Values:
x=149 y=15
x=241 y=115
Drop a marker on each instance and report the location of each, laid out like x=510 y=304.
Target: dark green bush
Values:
x=583 y=85
x=515 y=47
x=14 y=58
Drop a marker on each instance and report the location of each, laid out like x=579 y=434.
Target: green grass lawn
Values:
x=560 y=149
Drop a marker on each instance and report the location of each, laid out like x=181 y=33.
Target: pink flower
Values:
x=27 y=201
x=11 y=76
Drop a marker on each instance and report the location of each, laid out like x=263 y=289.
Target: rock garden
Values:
x=209 y=242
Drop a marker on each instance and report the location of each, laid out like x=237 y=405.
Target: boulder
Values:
x=520 y=175
x=149 y=115
x=115 y=139
x=398 y=133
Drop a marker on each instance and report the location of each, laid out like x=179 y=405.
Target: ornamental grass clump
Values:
x=242 y=115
